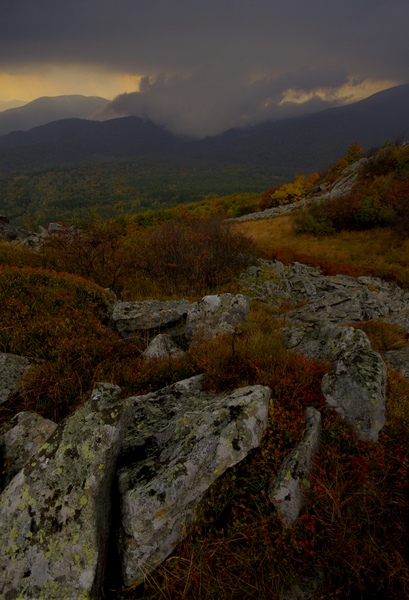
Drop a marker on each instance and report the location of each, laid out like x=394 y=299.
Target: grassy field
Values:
x=378 y=252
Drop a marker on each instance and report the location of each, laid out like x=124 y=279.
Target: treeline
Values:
x=112 y=189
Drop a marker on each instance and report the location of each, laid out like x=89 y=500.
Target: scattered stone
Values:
x=162 y=346
x=287 y=488
x=214 y=315
x=55 y=513
x=20 y=438
x=12 y=371
x=179 y=442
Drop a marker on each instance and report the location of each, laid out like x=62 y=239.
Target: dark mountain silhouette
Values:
x=46 y=109
x=297 y=145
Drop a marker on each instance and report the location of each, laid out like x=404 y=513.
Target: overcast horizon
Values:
x=201 y=68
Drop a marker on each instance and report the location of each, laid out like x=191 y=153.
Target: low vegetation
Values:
x=354 y=528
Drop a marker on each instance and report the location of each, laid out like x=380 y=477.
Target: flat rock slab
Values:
x=179 y=442
x=20 y=438
x=55 y=513
x=150 y=317
x=12 y=370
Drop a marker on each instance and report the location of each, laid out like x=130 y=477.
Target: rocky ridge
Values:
x=162 y=451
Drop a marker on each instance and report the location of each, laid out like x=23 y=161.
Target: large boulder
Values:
x=20 y=438
x=55 y=513
x=12 y=371
x=355 y=387
x=148 y=318
x=180 y=440
x=292 y=480
x=217 y=314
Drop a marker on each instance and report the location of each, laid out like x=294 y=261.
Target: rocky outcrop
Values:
x=215 y=315
x=342 y=186
x=179 y=442
x=318 y=327
x=12 y=371
x=55 y=513
x=8 y=233
x=399 y=360
x=20 y=438
x=338 y=299
x=162 y=346
x=167 y=449
x=148 y=318
x=183 y=321
x=287 y=489
x=355 y=387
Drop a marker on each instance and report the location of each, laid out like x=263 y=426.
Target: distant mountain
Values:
x=7 y=104
x=49 y=108
x=297 y=145
x=313 y=142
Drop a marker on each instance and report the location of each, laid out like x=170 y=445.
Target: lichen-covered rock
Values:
x=287 y=488
x=55 y=513
x=355 y=387
x=162 y=346
x=399 y=360
x=217 y=314
x=12 y=370
x=179 y=442
x=150 y=317
x=20 y=438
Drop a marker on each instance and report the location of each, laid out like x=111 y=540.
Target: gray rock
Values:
x=150 y=317
x=307 y=587
x=20 y=438
x=162 y=346
x=287 y=488
x=179 y=442
x=12 y=370
x=56 y=511
x=399 y=360
x=214 y=315
x=355 y=387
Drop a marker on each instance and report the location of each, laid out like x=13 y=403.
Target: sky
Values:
x=199 y=67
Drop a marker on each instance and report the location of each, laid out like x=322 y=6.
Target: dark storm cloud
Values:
x=211 y=64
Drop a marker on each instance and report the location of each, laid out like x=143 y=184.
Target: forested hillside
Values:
x=120 y=188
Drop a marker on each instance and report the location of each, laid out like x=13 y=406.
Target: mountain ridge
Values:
x=49 y=108
x=300 y=144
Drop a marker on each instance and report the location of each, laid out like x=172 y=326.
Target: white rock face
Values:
x=55 y=513
x=179 y=442
x=287 y=488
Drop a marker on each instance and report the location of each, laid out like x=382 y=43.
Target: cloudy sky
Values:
x=202 y=66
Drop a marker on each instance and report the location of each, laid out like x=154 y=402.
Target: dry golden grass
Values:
x=377 y=251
